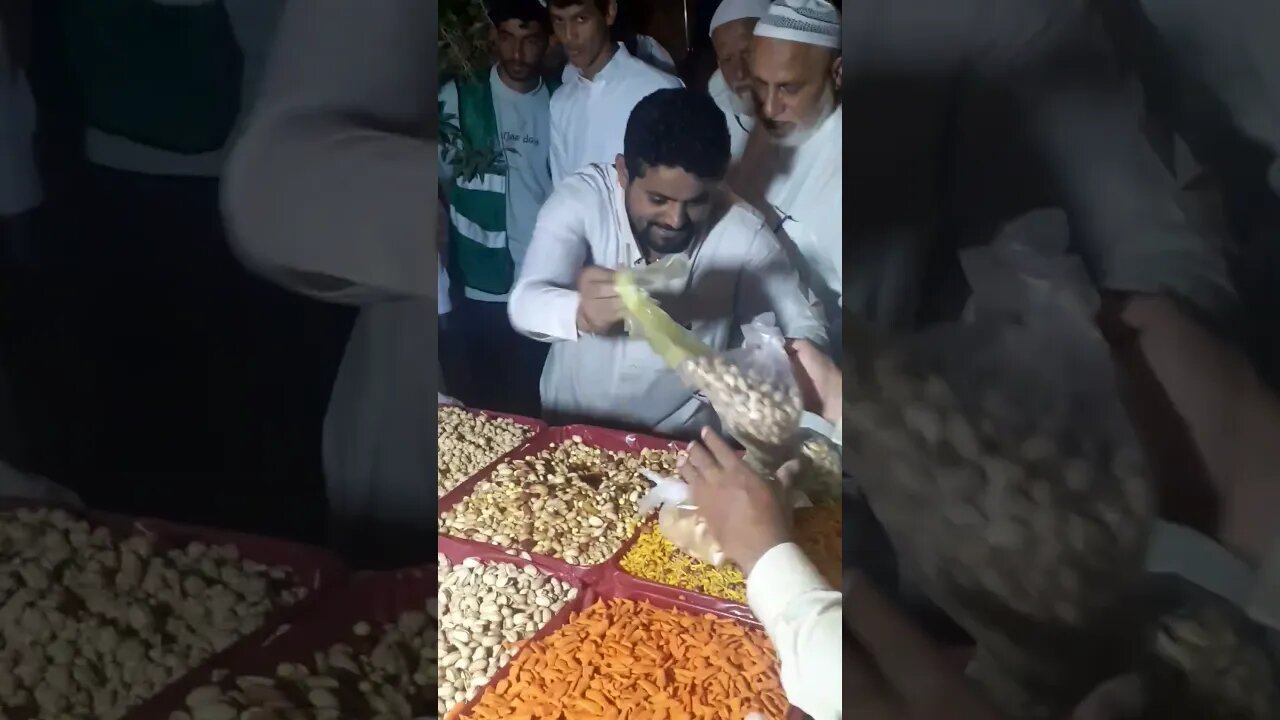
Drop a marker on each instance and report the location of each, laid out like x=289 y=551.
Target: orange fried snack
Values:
x=622 y=659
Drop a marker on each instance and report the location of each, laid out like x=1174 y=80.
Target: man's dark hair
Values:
x=678 y=128
x=525 y=11
x=601 y=5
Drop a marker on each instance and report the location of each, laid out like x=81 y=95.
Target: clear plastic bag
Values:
x=679 y=521
x=755 y=393
x=997 y=455
x=644 y=319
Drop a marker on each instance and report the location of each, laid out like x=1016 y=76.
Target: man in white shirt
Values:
x=730 y=85
x=793 y=170
x=491 y=214
x=589 y=114
x=301 y=218
x=662 y=196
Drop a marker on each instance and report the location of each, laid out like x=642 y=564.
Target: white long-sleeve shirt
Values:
x=589 y=117
x=804 y=618
x=739 y=273
x=801 y=189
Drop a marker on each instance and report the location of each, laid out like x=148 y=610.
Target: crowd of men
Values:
x=613 y=163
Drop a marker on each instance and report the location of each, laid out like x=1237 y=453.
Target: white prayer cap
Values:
x=813 y=22
x=731 y=10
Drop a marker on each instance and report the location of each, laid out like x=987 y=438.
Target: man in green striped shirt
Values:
x=494 y=172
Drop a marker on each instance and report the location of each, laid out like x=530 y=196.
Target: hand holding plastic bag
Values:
x=678 y=518
x=645 y=320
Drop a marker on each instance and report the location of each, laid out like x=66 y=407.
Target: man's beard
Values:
x=800 y=135
x=519 y=72
x=650 y=238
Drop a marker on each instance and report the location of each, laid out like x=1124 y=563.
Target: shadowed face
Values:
x=521 y=47
x=668 y=208
x=583 y=31
x=732 y=43
x=794 y=86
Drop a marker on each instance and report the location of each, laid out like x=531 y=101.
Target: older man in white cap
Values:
x=792 y=170
x=731 y=31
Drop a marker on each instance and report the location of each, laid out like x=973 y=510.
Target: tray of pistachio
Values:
x=468 y=441
x=366 y=651
x=571 y=496
x=104 y=614
x=491 y=604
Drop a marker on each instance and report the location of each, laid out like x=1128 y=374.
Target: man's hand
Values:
x=599 y=307
x=893 y=671
x=745 y=513
x=821 y=382
x=1207 y=421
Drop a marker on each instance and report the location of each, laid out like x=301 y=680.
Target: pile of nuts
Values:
x=485 y=609
x=385 y=675
x=1034 y=548
x=571 y=501
x=466 y=442
x=754 y=408
x=90 y=626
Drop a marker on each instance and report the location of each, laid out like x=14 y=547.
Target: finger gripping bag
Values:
x=998 y=457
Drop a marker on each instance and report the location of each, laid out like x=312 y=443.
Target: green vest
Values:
x=478 y=252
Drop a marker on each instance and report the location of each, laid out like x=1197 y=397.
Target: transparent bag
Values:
x=755 y=394
x=997 y=454
x=680 y=522
x=644 y=319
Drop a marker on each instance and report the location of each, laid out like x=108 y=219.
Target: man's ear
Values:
x=612 y=15
x=837 y=71
x=620 y=164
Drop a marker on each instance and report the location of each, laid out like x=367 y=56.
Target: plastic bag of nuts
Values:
x=754 y=392
x=1026 y=520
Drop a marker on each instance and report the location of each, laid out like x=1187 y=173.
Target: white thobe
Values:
x=804 y=618
x=739 y=273
x=589 y=117
x=343 y=74
x=740 y=125
x=800 y=190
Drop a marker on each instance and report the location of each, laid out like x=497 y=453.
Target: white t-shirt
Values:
x=589 y=117
x=19 y=179
x=254 y=23
x=524 y=123
x=739 y=273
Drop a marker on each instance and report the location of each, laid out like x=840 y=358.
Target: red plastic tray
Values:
x=615 y=586
x=313 y=568
x=539 y=427
x=372 y=597
x=457 y=550
x=615 y=440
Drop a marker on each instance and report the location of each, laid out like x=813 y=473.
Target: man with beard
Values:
x=662 y=196
x=589 y=114
x=792 y=171
x=730 y=85
x=491 y=214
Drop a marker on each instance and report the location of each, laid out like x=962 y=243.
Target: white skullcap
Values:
x=813 y=22
x=731 y=10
